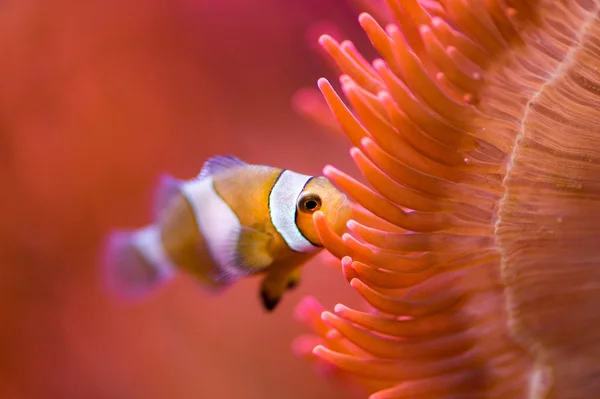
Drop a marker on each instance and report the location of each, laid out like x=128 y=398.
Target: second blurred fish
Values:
x=233 y=221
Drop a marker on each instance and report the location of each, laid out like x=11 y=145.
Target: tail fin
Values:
x=135 y=264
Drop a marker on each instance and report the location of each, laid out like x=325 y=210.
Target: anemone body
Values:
x=478 y=133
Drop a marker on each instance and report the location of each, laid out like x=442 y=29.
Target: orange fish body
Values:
x=233 y=221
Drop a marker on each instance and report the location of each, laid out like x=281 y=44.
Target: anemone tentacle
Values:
x=450 y=127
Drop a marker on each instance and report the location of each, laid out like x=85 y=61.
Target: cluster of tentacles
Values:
x=478 y=133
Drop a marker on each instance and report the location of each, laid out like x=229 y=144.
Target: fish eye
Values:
x=309 y=203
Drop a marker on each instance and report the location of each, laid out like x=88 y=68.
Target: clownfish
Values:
x=232 y=221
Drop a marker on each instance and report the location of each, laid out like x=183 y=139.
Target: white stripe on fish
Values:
x=217 y=222
x=282 y=205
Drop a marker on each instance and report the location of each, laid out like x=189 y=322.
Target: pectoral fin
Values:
x=274 y=285
x=294 y=278
x=269 y=303
x=253 y=249
x=272 y=288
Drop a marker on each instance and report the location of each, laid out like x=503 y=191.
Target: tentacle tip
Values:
x=351 y=225
x=424 y=29
x=364 y=16
x=318 y=215
x=366 y=142
x=300 y=98
x=305 y=307
x=346 y=261
x=322 y=83
x=325 y=40
x=327 y=168
x=347 y=82
x=339 y=308
x=346 y=237
x=346 y=44
x=354 y=151
x=378 y=64
x=332 y=335
x=384 y=96
x=329 y=171
x=350 y=241
x=306 y=100
x=319 y=350
x=348 y=85
x=326 y=315
x=392 y=29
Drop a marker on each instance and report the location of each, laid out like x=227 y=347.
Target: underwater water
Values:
x=98 y=98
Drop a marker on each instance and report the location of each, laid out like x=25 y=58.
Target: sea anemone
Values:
x=98 y=98
x=479 y=133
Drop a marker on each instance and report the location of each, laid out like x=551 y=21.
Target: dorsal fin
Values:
x=167 y=188
x=218 y=164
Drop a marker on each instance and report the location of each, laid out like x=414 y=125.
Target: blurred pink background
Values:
x=97 y=98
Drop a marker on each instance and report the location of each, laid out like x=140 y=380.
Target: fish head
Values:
x=320 y=194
